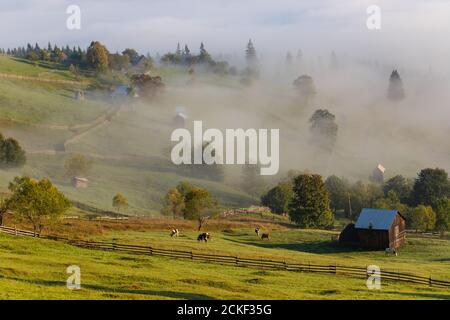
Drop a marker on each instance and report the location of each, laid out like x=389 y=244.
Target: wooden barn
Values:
x=78 y=182
x=378 y=174
x=179 y=121
x=375 y=229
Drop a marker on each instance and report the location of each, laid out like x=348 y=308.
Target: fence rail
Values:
x=228 y=260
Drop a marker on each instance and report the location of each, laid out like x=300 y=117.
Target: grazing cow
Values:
x=265 y=236
x=391 y=251
x=205 y=236
x=174 y=233
x=257 y=231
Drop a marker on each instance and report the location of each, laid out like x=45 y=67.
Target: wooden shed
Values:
x=78 y=182
x=378 y=174
x=380 y=228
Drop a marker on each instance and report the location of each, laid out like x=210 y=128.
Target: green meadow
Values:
x=36 y=269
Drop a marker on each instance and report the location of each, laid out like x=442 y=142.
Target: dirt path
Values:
x=83 y=129
x=79 y=130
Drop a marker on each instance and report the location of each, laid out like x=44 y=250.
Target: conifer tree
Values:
x=250 y=52
x=395 y=89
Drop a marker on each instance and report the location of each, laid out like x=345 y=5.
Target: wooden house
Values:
x=78 y=182
x=378 y=174
x=375 y=229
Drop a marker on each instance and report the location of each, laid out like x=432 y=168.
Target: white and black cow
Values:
x=205 y=236
x=174 y=233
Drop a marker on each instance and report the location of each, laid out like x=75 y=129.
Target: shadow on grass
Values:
x=442 y=260
x=258 y=221
x=422 y=295
x=41 y=64
x=161 y=293
x=322 y=247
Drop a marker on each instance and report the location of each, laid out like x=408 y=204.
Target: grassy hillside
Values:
x=42 y=103
x=41 y=69
x=36 y=269
x=144 y=182
x=126 y=146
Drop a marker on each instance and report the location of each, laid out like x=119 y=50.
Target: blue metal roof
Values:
x=377 y=219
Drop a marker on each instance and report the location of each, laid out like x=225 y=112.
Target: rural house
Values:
x=78 y=182
x=179 y=121
x=378 y=173
x=375 y=229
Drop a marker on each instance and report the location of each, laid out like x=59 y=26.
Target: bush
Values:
x=11 y=153
x=278 y=198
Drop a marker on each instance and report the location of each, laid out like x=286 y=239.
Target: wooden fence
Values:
x=358 y=272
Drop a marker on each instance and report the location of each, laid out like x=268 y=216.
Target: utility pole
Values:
x=349 y=206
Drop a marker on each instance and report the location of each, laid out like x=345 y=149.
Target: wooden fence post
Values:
x=237 y=260
x=192 y=256
x=151 y=251
x=430 y=282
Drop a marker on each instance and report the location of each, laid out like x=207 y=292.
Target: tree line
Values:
x=96 y=57
x=312 y=202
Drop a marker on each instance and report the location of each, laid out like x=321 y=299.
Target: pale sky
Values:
x=414 y=30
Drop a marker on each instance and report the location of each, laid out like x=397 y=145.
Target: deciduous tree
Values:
x=173 y=203
x=422 y=218
x=11 y=153
x=323 y=129
x=120 y=202
x=37 y=202
x=430 y=186
x=78 y=164
x=278 y=198
x=97 y=56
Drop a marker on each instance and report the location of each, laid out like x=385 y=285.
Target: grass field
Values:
x=24 y=67
x=129 y=149
x=36 y=269
x=33 y=102
x=419 y=256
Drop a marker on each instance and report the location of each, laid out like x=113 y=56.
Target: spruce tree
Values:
x=395 y=89
x=204 y=55
x=310 y=205
x=250 y=52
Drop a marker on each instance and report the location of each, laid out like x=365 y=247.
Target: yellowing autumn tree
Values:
x=37 y=202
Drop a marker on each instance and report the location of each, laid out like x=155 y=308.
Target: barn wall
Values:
x=373 y=239
x=395 y=240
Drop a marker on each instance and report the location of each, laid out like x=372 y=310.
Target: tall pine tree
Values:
x=395 y=90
